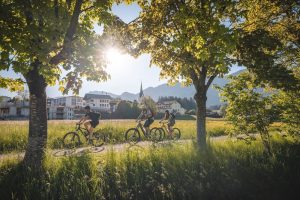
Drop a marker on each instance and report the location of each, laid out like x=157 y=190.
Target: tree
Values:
x=188 y=40
x=268 y=41
x=40 y=40
x=248 y=109
x=148 y=103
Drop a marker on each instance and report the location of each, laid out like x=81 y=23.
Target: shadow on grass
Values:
x=225 y=171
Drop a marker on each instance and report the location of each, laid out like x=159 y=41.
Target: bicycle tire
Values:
x=100 y=139
x=75 y=140
x=176 y=134
x=163 y=133
x=132 y=135
x=155 y=135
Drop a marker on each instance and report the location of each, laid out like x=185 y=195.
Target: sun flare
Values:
x=114 y=56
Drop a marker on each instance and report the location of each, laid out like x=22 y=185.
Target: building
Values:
x=69 y=101
x=98 y=102
x=170 y=105
x=13 y=109
x=64 y=107
x=60 y=112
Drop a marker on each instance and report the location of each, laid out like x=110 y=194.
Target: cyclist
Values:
x=90 y=121
x=171 y=121
x=147 y=115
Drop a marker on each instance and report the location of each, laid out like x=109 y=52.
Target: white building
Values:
x=13 y=109
x=69 y=101
x=98 y=102
x=170 y=105
x=63 y=107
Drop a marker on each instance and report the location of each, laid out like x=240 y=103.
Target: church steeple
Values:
x=141 y=91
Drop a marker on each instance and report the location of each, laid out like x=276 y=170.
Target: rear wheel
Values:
x=176 y=134
x=71 y=140
x=132 y=135
x=155 y=135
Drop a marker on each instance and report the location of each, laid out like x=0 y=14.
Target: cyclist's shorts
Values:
x=148 y=122
x=94 y=123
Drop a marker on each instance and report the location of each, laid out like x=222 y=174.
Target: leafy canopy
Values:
x=186 y=39
x=57 y=35
x=269 y=41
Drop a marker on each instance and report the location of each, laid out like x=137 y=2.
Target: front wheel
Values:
x=176 y=134
x=132 y=135
x=71 y=140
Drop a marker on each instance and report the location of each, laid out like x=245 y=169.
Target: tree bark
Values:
x=200 y=98
x=37 y=138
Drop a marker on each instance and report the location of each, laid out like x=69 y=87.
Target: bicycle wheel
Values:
x=99 y=139
x=176 y=134
x=132 y=135
x=71 y=140
x=163 y=134
x=155 y=135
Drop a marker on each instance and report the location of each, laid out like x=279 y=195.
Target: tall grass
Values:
x=13 y=134
x=228 y=170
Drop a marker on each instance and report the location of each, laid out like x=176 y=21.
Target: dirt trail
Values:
x=104 y=148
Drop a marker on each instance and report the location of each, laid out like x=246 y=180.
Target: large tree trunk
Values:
x=200 y=98
x=37 y=139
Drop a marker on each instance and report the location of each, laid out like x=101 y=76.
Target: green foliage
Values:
x=185 y=39
x=14 y=135
x=227 y=171
x=149 y=103
x=53 y=36
x=288 y=105
x=126 y=110
x=12 y=84
x=269 y=41
x=249 y=110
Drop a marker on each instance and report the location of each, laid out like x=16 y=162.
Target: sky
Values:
x=126 y=72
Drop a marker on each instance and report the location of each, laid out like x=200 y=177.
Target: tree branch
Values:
x=210 y=80
x=87 y=9
x=66 y=49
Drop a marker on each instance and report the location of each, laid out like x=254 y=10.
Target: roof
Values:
x=168 y=102
x=96 y=96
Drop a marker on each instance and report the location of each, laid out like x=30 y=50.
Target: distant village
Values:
x=71 y=107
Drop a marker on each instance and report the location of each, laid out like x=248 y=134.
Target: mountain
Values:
x=177 y=90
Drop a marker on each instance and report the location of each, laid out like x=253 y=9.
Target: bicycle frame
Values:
x=139 y=125
x=164 y=126
x=82 y=131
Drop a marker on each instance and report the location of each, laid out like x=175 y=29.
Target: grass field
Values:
x=228 y=170
x=13 y=134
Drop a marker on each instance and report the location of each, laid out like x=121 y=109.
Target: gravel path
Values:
x=105 y=148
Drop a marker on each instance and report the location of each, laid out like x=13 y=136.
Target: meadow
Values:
x=13 y=134
x=227 y=170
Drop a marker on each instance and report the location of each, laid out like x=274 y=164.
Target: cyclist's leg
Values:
x=147 y=124
x=89 y=128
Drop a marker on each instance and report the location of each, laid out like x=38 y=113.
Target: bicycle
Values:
x=72 y=139
x=164 y=129
x=133 y=134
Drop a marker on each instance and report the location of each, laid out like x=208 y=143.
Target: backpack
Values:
x=172 y=116
x=95 y=116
